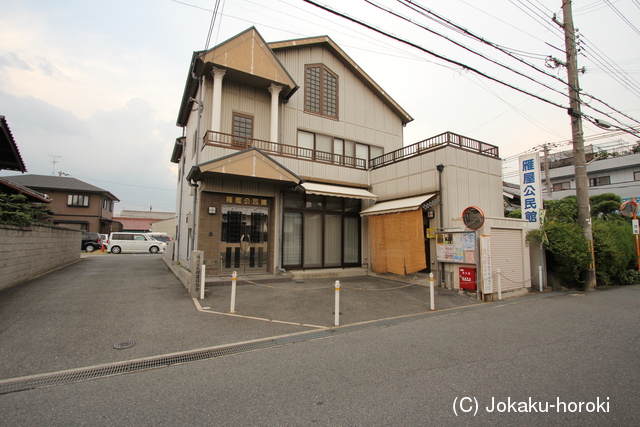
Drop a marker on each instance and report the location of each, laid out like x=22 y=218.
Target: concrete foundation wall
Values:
x=28 y=252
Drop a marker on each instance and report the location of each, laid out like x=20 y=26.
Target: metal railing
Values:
x=225 y=140
x=438 y=141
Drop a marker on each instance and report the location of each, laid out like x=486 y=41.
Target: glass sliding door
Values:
x=292 y=239
x=320 y=231
x=351 y=240
x=332 y=240
x=312 y=240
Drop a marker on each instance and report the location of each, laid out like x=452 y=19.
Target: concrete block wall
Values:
x=28 y=252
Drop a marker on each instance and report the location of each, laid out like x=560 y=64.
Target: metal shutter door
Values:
x=507 y=255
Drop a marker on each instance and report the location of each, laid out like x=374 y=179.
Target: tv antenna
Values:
x=54 y=161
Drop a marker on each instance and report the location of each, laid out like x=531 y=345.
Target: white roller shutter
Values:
x=507 y=255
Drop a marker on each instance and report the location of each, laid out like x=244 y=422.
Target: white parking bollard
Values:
x=234 y=277
x=540 y=276
x=499 y=286
x=337 y=308
x=431 y=292
x=202 y=281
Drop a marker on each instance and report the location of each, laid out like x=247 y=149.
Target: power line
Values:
x=624 y=18
x=466 y=32
x=416 y=46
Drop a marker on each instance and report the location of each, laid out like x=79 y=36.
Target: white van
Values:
x=134 y=242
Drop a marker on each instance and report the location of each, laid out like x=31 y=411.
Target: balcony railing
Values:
x=225 y=140
x=439 y=141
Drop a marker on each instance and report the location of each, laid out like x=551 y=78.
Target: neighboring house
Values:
x=293 y=158
x=617 y=171
x=9 y=187
x=10 y=158
x=165 y=226
x=75 y=203
x=140 y=221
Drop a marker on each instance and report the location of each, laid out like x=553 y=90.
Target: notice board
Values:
x=458 y=247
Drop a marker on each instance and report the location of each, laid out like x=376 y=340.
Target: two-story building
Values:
x=75 y=203
x=614 y=171
x=292 y=158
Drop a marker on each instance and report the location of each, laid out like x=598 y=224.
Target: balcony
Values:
x=443 y=140
x=225 y=140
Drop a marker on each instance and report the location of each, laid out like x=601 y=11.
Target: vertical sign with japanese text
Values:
x=530 y=188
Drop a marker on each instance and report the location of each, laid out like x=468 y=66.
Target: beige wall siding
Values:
x=362 y=116
x=468 y=180
x=246 y=100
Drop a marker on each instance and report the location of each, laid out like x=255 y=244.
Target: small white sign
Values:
x=636 y=228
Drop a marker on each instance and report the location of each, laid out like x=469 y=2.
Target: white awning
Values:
x=337 y=191
x=401 y=205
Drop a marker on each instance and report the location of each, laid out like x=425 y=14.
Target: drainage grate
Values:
x=13 y=385
x=64 y=377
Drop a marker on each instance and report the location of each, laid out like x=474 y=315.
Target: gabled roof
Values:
x=61 y=183
x=329 y=44
x=10 y=158
x=14 y=187
x=246 y=58
x=250 y=163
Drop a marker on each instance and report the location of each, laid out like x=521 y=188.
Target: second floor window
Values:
x=603 y=180
x=321 y=91
x=77 y=200
x=242 y=128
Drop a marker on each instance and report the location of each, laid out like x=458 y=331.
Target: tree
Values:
x=15 y=210
x=605 y=206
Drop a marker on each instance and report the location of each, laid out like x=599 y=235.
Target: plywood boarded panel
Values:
x=378 y=245
x=397 y=243
x=395 y=250
x=414 y=253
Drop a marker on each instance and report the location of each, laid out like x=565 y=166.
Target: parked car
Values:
x=134 y=242
x=163 y=237
x=90 y=241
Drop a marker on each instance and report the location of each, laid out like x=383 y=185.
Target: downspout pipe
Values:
x=197 y=146
x=440 y=168
x=181 y=142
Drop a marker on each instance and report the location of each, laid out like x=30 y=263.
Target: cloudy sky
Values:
x=92 y=88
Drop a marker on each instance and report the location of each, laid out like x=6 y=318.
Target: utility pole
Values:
x=547 y=178
x=582 y=181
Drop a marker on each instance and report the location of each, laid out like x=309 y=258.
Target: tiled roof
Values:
x=52 y=182
x=10 y=158
x=24 y=190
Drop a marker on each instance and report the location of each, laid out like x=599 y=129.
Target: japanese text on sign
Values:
x=530 y=187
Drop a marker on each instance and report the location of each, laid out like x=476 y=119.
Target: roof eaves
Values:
x=11 y=158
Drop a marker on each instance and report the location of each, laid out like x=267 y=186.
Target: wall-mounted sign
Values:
x=530 y=188
x=456 y=247
x=246 y=200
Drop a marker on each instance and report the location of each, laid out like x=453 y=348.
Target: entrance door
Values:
x=244 y=239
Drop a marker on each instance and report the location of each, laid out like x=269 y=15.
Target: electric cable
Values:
x=496 y=46
x=441 y=57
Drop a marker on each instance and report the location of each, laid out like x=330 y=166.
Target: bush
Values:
x=630 y=277
x=615 y=251
x=15 y=210
x=567 y=250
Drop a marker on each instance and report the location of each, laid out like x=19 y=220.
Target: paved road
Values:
x=558 y=350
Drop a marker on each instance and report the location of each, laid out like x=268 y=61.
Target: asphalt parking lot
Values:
x=74 y=316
